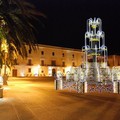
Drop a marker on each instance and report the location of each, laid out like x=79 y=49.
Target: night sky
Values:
x=65 y=24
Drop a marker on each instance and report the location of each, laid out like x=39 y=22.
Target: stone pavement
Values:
x=38 y=100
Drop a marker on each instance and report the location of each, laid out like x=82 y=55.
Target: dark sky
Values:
x=66 y=22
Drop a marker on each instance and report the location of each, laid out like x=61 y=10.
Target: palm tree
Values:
x=17 y=19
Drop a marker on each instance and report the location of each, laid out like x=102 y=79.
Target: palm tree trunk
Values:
x=5 y=77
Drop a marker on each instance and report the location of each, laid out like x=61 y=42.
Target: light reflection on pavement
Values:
x=38 y=100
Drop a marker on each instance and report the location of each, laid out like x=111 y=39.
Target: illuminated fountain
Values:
x=95 y=53
x=93 y=75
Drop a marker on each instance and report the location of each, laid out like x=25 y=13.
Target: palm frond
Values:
x=17 y=19
x=18 y=16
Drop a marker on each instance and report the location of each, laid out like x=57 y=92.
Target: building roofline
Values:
x=58 y=47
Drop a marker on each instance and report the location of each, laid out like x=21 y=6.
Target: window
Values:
x=73 y=55
x=30 y=51
x=63 y=63
x=29 y=62
x=63 y=55
x=42 y=62
x=15 y=62
x=29 y=70
x=53 y=63
x=73 y=63
x=53 y=53
x=42 y=52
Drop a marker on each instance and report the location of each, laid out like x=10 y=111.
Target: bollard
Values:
x=116 y=87
x=58 y=84
x=85 y=87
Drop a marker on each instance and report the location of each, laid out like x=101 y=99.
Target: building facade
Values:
x=46 y=61
x=113 y=60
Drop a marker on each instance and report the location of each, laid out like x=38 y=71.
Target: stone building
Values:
x=46 y=61
x=113 y=60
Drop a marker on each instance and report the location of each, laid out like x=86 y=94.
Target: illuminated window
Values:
x=53 y=63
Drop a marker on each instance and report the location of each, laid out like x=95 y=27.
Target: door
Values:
x=14 y=72
x=53 y=72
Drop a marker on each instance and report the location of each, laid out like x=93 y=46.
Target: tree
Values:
x=17 y=28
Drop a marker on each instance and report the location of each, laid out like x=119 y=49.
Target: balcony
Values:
x=29 y=64
x=55 y=65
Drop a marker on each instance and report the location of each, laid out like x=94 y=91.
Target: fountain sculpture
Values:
x=93 y=75
x=95 y=53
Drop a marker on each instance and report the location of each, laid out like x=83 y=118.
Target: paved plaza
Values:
x=38 y=100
